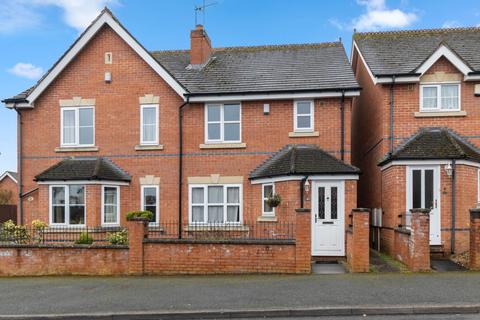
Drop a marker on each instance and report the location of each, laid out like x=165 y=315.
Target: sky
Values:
x=35 y=33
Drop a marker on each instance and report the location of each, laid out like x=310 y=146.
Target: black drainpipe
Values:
x=19 y=165
x=454 y=182
x=392 y=92
x=180 y=165
x=342 y=111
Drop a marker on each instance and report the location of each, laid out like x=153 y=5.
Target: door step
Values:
x=437 y=252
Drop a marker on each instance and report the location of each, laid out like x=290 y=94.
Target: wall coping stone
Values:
x=420 y=210
x=64 y=246
x=475 y=213
x=365 y=210
x=403 y=230
x=232 y=241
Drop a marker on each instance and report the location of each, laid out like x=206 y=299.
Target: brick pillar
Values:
x=474 y=239
x=137 y=231
x=419 y=244
x=360 y=250
x=303 y=241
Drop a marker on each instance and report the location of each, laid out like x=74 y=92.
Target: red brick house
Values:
x=415 y=129
x=198 y=137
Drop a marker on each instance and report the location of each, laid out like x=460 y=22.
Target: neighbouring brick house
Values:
x=415 y=129
x=8 y=185
x=199 y=137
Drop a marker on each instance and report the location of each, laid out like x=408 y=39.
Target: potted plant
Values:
x=274 y=200
x=139 y=215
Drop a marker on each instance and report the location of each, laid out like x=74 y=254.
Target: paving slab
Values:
x=444 y=265
x=328 y=268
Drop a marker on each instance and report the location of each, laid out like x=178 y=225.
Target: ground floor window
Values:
x=110 y=205
x=150 y=200
x=268 y=190
x=215 y=204
x=67 y=205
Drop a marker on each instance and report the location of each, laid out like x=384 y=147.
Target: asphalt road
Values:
x=416 y=317
x=53 y=295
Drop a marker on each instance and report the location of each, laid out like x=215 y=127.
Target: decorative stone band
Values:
x=150 y=180
x=149 y=99
x=475 y=213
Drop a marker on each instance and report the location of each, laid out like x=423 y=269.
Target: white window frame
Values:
x=222 y=123
x=77 y=127
x=312 y=116
x=142 y=140
x=67 y=205
x=108 y=224
x=157 y=204
x=439 y=85
x=478 y=187
x=206 y=204
x=264 y=197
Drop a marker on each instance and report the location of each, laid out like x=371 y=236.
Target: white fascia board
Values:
x=273 y=96
x=374 y=79
x=13 y=105
x=427 y=163
x=105 y=18
x=398 y=79
x=444 y=51
x=6 y=174
x=310 y=177
x=85 y=182
x=473 y=77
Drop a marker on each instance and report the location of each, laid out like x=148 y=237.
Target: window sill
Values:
x=148 y=147
x=213 y=228
x=303 y=134
x=76 y=149
x=425 y=114
x=267 y=219
x=223 y=146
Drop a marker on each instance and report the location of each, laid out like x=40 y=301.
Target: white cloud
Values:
x=15 y=16
x=451 y=24
x=26 y=70
x=378 y=16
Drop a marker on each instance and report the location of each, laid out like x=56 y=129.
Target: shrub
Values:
x=38 y=230
x=274 y=200
x=120 y=237
x=39 y=225
x=140 y=214
x=85 y=238
x=11 y=232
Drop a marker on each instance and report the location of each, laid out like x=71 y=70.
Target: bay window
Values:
x=268 y=189
x=67 y=205
x=440 y=97
x=223 y=123
x=77 y=126
x=215 y=204
x=110 y=205
x=150 y=201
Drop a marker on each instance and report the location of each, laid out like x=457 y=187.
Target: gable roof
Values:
x=260 y=69
x=301 y=159
x=94 y=169
x=434 y=144
x=405 y=52
x=105 y=18
x=11 y=174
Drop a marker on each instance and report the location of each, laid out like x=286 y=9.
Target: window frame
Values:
x=157 y=204
x=157 y=124
x=67 y=205
x=110 y=224
x=222 y=122
x=439 y=107
x=77 y=126
x=295 y=116
x=266 y=213
x=206 y=204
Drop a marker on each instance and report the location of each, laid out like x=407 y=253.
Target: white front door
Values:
x=328 y=216
x=423 y=191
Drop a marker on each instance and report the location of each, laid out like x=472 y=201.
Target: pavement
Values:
x=240 y=296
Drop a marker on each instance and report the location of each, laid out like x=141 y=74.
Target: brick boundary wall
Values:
x=475 y=239
x=357 y=249
x=412 y=247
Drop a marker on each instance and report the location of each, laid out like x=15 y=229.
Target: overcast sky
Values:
x=35 y=33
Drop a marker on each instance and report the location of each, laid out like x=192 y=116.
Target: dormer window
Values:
x=440 y=97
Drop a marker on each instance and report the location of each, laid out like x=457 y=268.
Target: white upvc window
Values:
x=67 y=205
x=77 y=126
x=303 y=116
x=441 y=97
x=223 y=123
x=149 y=124
x=150 y=201
x=268 y=189
x=215 y=204
x=478 y=188
x=110 y=205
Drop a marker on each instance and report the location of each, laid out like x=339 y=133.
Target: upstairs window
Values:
x=78 y=126
x=303 y=116
x=223 y=123
x=149 y=124
x=440 y=97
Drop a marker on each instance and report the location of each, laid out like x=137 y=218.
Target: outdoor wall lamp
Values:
x=448 y=169
x=306 y=186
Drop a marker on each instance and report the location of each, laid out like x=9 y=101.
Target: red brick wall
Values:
x=7 y=184
x=358 y=254
x=475 y=239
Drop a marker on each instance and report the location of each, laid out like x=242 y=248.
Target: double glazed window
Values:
x=149 y=124
x=223 y=123
x=303 y=116
x=268 y=190
x=67 y=205
x=78 y=126
x=215 y=204
x=440 y=97
x=150 y=200
x=110 y=205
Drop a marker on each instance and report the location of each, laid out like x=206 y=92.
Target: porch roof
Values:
x=434 y=144
x=75 y=169
x=301 y=159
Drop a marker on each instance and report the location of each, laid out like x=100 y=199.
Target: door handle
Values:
x=315 y=218
x=435 y=203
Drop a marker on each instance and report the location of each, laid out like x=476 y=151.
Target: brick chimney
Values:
x=200 y=46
